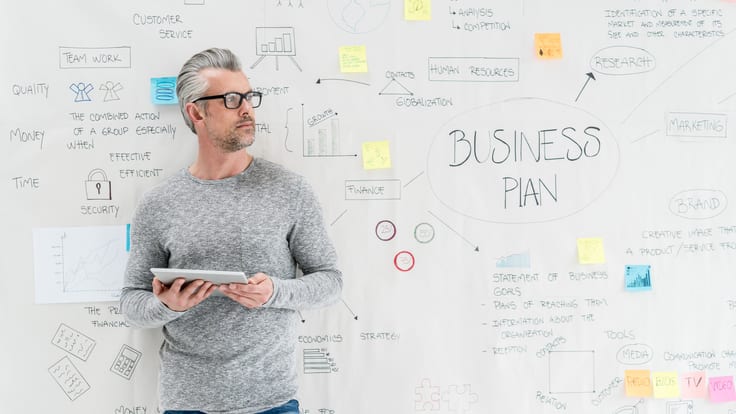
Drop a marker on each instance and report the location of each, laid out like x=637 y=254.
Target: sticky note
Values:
x=721 y=389
x=590 y=250
x=548 y=45
x=353 y=59
x=127 y=237
x=637 y=383
x=417 y=9
x=693 y=385
x=376 y=155
x=665 y=384
x=163 y=91
x=638 y=277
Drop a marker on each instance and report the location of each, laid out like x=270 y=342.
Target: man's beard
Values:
x=233 y=140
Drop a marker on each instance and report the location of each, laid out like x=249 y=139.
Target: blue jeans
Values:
x=291 y=407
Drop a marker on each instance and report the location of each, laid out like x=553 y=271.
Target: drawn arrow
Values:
x=332 y=115
x=320 y=80
x=590 y=76
x=302 y=317
x=454 y=231
x=351 y=311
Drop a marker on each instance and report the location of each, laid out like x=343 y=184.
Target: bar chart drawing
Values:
x=318 y=361
x=326 y=142
x=323 y=137
x=276 y=42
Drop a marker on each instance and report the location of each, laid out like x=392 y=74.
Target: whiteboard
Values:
x=550 y=230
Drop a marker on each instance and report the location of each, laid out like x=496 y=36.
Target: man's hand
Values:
x=180 y=299
x=253 y=294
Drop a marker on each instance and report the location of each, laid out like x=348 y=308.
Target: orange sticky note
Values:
x=548 y=45
x=590 y=250
x=693 y=385
x=418 y=9
x=665 y=384
x=637 y=383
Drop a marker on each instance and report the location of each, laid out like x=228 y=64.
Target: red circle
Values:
x=396 y=260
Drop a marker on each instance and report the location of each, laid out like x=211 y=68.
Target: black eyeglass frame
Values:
x=248 y=96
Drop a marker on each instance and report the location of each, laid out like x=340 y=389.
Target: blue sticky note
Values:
x=638 y=277
x=163 y=91
x=127 y=237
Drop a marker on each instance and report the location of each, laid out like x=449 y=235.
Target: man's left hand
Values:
x=253 y=294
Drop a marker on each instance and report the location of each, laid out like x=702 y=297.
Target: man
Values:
x=235 y=352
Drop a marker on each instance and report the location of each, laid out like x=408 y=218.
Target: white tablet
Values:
x=218 y=277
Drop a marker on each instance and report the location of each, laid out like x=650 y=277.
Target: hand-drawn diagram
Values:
x=359 y=16
x=275 y=42
x=290 y=3
x=515 y=260
x=455 y=398
x=98 y=186
x=126 y=361
x=111 y=90
x=68 y=377
x=73 y=342
x=404 y=260
x=571 y=372
x=424 y=233
x=318 y=361
x=327 y=140
x=385 y=230
x=77 y=264
x=394 y=87
x=81 y=91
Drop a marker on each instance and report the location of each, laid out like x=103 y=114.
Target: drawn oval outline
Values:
x=625 y=50
x=703 y=194
x=633 y=347
x=463 y=191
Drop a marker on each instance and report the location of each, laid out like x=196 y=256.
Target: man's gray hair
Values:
x=190 y=85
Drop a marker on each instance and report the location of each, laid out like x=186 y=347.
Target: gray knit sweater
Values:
x=220 y=357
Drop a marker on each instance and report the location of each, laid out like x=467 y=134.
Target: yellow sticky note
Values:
x=637 y=383
x=548 y=45
x=376 y=155
x=666 y=384
x=590 y=250
x=353 y=59
x=418 y=9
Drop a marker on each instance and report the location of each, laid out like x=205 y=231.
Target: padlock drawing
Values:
x=97 y=186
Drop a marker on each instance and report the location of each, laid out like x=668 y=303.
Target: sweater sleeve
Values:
x=140 y=307
x=321 y=281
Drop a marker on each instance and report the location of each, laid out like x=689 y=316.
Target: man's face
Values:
x=229 y=129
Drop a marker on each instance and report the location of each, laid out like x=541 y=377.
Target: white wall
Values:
x=497 y=314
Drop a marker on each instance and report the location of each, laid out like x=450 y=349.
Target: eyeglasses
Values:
x=233 y=100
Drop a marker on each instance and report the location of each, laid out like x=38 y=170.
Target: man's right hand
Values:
x=178 y=297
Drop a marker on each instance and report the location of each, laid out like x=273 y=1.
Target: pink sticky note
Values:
x=693 y=385
x=721 y=389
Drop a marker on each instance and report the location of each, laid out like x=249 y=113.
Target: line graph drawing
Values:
x=77 y=264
